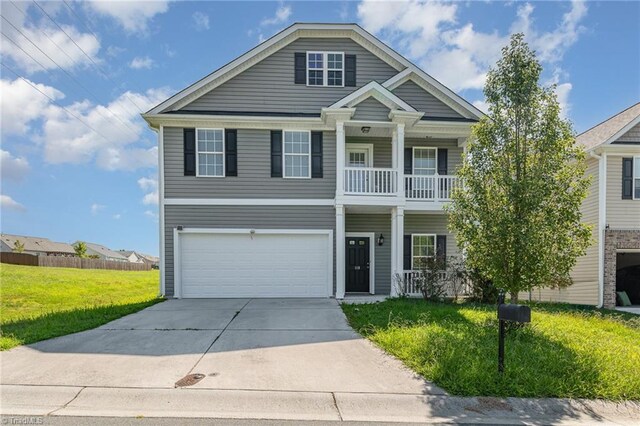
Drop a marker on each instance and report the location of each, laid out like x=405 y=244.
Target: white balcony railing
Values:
x=430 y=188
x=370 y=181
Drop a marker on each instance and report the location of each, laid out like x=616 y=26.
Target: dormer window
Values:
x=325 y=69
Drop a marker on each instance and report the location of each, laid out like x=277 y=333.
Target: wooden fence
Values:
x=70 y=262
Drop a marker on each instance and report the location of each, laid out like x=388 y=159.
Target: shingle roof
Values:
x=104 y=251
x=38 y=244
x=609 y=129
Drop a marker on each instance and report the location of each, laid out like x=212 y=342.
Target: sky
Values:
x=78 y=162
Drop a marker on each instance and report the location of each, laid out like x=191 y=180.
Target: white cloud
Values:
x=48 y=38
x=153 y=215
x=96 y=208
x=20 y=104
x=150 y=186
x=8 y=203
x=201 y=21
x=282 y=15
x=141 y=62
x=481 y=105
x=133 y=16
x=13 y=168
x=117 y=216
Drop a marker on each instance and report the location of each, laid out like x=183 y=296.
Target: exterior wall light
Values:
x=380 y=240
x=365 y=129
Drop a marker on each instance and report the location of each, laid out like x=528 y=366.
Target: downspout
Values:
x=602 y=219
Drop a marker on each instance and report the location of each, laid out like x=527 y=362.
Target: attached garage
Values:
x=229 y=263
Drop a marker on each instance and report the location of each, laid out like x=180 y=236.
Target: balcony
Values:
x=430 y=188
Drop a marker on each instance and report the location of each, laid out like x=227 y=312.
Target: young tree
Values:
x=517 y=217
x=81 y=249
x=18 y=246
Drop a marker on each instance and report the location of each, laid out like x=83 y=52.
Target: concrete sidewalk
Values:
x=55 y=401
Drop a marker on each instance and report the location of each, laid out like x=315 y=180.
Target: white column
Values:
x=400 y=158
x=340 y=153
x=340 y=252
x=400 y=239
x=394 y=249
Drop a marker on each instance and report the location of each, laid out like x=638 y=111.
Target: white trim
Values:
x=372 y=256
x=161 y=209
x=237 y=121
x=224 y=171
x=413 y=159
x=340 y=252
x=622 y=131
x=284 y=154
x=435 y=243
x=325 y=68
x=602 y=222
x=359 y=147
x=627 y=250
x=249 y=201
x=377 y=91
x=177 y=289
x=634 y=164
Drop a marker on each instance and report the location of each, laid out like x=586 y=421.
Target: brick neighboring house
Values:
x=36 y=245
x=613 y=208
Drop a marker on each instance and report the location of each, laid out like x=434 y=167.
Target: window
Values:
x=297 y=154
x=636 y=178
x=210 y=147
x=424 y=161
x=325 y=69
x=423 y=246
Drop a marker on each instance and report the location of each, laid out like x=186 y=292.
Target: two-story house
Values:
x=612 y=262
x=314 y=165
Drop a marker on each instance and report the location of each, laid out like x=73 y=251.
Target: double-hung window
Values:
x=636 y=178
x=423 y=246
x=210 y=158
x=325 y=69
x=297 y=154
x=424 y=161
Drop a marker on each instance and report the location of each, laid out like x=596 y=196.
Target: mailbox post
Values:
x=508 y=312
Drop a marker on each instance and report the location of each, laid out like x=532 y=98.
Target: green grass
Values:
x=38 y=303
x=565 y=352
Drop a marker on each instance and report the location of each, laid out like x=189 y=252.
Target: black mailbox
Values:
x=515 y=313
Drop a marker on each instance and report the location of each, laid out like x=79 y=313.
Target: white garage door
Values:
x=263 y=264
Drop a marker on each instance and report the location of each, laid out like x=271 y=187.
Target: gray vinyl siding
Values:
x=379 y=224
x=254 y=171
x=584 y=290
x=633 y=136
x=454 y=153
x=424 y=101
x=381 y=149
x=621 y=214
x=429 y=223
x=269 y=85
x=371 y=110
x=251 y=217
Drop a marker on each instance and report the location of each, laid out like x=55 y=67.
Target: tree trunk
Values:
x=514 y=296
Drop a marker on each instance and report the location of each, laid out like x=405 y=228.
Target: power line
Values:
x=66 y=73
x=85 y=53
x=55 y=102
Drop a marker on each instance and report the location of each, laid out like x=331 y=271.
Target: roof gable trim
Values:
x=373 y=90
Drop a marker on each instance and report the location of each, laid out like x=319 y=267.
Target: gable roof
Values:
x=294 y=32
x=37 y=244
x=104 y=251
x=611 y=129
x=373 y=90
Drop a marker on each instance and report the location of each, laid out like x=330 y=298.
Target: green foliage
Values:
x=40 y=303
x=81 y=249
x=18 y=246
x=566 y=352
x=518 y=215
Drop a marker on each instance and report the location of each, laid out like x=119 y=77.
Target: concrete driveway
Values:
x=238 y=344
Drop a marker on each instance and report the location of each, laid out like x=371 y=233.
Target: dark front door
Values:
x=357 y=252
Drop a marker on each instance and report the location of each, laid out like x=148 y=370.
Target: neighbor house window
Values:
x=325 y=69
x=210 y=158
x=297 y=154
x=636 y=178
x=424 y=161
x=423 y=246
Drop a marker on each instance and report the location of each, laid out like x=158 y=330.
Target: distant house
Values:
x=131 y=256
x=148 y=259
x=35 y=245
x=105 y=253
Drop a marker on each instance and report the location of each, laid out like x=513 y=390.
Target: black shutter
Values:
x=276 y=153
x=406 y=254
x=441 y=247
x=231 y=152
x=349 y=70
x=627 y=178
x=408 y=161
x=316 y=154
x=300 y=68
x=442 y=161
x=189 y=152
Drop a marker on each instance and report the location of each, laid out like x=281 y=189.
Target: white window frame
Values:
x=325 y=68
x=224 y=154
x=284 y=155
x=636 y=161
x=423 y=235
x=413 y=159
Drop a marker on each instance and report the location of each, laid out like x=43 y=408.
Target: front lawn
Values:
x=565 y=352
x=38 y=303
